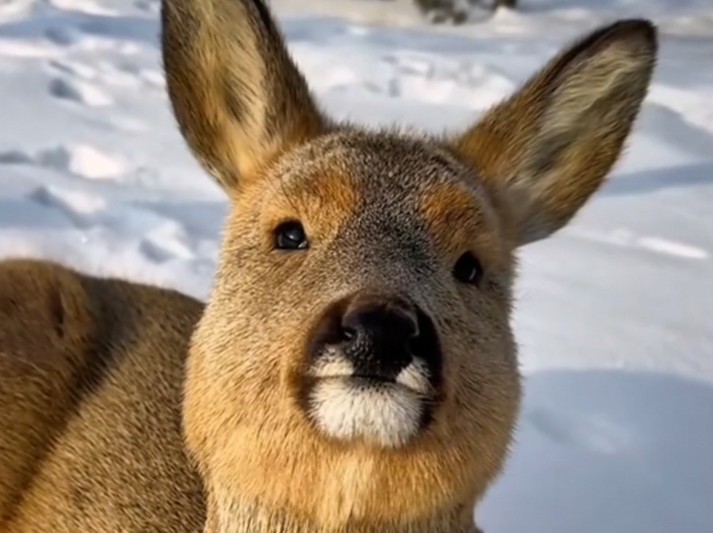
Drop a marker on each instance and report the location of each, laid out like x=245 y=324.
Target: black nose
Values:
x=379 y=335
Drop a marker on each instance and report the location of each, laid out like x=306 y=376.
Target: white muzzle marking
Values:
x=346 y=407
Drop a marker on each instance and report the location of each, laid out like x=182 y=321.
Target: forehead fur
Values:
x=376 y=159
x=391 y=182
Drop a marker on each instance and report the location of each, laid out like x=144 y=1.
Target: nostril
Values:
x=414 y=345
x=415 y=334
x=347 y=333
x=350 y=327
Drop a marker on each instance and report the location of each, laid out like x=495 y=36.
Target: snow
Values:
x=615 y=312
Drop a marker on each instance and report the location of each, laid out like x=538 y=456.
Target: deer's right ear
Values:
x=238 y=97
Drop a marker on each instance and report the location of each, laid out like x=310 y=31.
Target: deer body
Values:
x=91 y=373
x=354 y=368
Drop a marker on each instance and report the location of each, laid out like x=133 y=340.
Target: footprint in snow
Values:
x=151 y=6
x=81 y=160
x=586 y=431
x=165 y=242
x=79 y=92
x=62 y=35
x=80 y=207
x=74 y=69
x=15 y=157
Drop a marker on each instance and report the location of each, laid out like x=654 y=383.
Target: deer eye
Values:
x=468 y=269
x=290 y=236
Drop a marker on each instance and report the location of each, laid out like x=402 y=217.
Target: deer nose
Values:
x=379 y=335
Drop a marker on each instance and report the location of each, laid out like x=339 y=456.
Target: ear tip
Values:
x=633 y=29
x=639 y=27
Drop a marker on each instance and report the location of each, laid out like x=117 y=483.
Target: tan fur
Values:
x=90 y=383
x=129 y=408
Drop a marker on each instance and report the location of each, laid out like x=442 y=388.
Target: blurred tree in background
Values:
x=456 y=11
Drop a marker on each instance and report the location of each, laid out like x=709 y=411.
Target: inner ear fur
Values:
x=545 y=150
x=236 y=93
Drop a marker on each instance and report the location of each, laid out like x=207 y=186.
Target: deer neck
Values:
x=234 y=516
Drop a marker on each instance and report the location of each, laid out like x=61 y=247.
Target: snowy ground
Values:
x=616 y=312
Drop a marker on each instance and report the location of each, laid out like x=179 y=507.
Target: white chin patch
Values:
x=388 y=414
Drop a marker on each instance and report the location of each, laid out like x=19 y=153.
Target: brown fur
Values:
x=90 y=383
x=102 y=381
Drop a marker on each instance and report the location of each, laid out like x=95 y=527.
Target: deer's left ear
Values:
x=547 y=149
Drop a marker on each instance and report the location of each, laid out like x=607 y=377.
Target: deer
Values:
x=354 y=367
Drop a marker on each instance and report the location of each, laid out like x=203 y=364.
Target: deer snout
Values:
x=372 y=337
x=377 y=336
x=375 y=369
